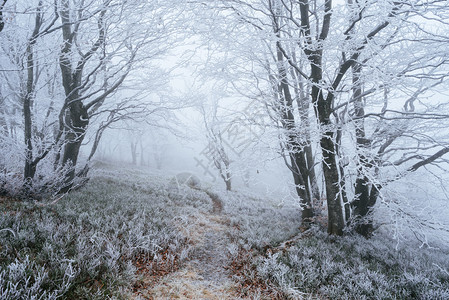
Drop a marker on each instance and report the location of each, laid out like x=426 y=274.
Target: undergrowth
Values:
x=318 y=266
x=98 y=242
x=258 y=222
x=321 y=267
x=90 y=244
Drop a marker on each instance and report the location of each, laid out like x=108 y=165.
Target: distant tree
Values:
x=216 y=147
x=156 y=148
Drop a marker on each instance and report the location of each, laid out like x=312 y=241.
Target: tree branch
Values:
x=428 y=160
x=2 y=22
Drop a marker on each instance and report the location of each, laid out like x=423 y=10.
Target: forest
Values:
x=224 y=149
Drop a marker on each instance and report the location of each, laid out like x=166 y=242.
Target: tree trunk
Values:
x=302 y=188
x=76 y=114
x=306 y=155
x=296 y=151
x=228 y=184
x=223 y=163
x=314 y=53
x=2 y=22
x=134 y=152
x=3 y=124
x=344 y=195
x=314 y=189
x=30 y=166
x=142 y=156
x=227 y=170
x=330 y=167
x=77 y=123
x=303 y=103
x=363 y=202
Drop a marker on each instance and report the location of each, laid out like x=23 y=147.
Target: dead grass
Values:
x=207 y=274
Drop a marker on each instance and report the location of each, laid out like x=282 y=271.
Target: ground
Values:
x=128 y=234
x=207 y=273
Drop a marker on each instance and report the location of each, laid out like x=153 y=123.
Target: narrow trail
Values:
x=205 y=274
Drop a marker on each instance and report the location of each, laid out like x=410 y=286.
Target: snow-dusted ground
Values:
x=106 y=239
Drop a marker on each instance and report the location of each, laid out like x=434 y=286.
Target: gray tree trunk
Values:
x=298 y=162
x=30 y=165
x=76 y=113
x=361 y=204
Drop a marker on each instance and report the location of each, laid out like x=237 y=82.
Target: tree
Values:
x=298 y=144
x=23 y=81
x=352 y=60
x=100 y=48
x=216 y=146
x=29 y=94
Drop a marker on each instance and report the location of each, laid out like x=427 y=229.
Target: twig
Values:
x=10 y=230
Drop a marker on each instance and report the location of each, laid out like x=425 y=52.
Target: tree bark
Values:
x=76 y=126
x=285 y=110
x=363 y=200
x=330 y=167
x=2 y=22
x=134 y=152
x=303 y=103
x=76 y=113
x=3 y=124
x=30 y=166
x=228 y=183
x=322 y=107
x=298 y=162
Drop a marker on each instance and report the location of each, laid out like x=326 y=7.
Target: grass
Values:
x=91 y=243
x=321 y=267
x=317 y=266
x=85 y=246
x=259 y=222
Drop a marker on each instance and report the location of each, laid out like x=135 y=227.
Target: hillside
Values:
x=129 y=234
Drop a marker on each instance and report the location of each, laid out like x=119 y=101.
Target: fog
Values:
x=235 y=149
x=353 y=117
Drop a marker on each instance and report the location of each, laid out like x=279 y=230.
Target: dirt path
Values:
x=204 y=275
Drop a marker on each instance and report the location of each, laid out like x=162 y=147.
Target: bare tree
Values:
x=112 y=55
x=352 y=59
x=100 y=48
x=216 y=146
x=30 y=165
x=23 y=88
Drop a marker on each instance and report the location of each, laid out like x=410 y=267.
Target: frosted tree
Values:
x=26 y=66
x=87 y=76
x=340 y=79
x=113 y=54
x=216 y=145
